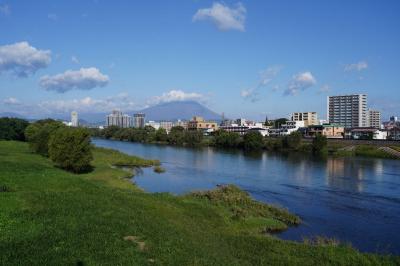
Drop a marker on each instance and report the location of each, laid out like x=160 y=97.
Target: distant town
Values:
x=348 y=117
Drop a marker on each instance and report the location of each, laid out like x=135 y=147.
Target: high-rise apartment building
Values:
x=116 y=118
x=139 y=120
x=349 y=111
x=309 y=118
x=74 y=119
x=374 y=119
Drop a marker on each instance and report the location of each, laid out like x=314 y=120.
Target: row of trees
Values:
x=12 y=128
x=177 y=136
x=69 y=148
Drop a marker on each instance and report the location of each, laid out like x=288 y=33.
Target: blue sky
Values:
x=247 y=59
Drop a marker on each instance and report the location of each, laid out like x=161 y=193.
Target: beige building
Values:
x=198 y=123
x=331 y=131
x=309 y=118
x=374 y=119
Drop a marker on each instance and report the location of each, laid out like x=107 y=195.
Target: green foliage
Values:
x=110 y=131
x=176 y=136
x=224 y=139
x=70 y=149
x=58 y=218
x=12 y=128
x=371 y=151
x=38 y=135
x=193 y=138
x=319 y=144
x=158 y=169
x=253 y=140
x=161 y=135
x=278 y=122
x=292 y=141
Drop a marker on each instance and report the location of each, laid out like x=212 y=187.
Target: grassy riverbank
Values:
x=52 y=217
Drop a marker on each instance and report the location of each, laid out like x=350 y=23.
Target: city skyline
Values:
x=241 y=58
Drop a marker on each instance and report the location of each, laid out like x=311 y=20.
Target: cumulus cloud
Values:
x=223 y=16
x=300 y=82
x=324 y=89
x=11 y=101
x=82 y=79
x=89 y=105
x=356 y=66
x=5 y=9
x=177 y=95
x=22 y=60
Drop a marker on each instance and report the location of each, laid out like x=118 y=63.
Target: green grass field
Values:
x=52 y=217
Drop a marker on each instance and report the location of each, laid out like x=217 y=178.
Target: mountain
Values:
x=13 y=115
x=183 y=110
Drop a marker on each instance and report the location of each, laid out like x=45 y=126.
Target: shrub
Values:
x=161 y=135
x=38 y=135
x=253 y=140
x=319 y=144
x=12 y=128
x=193 y=138
x=158 y=169
x=226 y=139
x=292 y=141
x=70 y=149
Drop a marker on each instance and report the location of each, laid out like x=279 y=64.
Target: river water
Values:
x=355 y=200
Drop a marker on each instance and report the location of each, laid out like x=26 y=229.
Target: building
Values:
x=290 y=127
x=367 y=133
x=309 y=118
x=198 y=123
x=116 y=118
x=181 y=123
x=167 y=125
x=139 y=120
x=349 y=111
x=74 y=119
x=374 y=119
x=154 y=124
x=331 y=131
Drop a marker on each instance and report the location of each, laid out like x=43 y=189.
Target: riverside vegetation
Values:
x=252 y=141
x=51 y=216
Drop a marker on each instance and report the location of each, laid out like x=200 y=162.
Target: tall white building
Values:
x=374 y=119
x=116 y=118
x=349 y=111
x=74 y=119
x=309 y=118
x=139 y=120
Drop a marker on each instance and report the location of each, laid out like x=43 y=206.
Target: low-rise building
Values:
x=198 y=123
x=309 y=118
x=331 y=131
x=367 y=133
x=290 y=127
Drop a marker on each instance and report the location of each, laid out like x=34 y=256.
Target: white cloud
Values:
x=301 y=81
x=52 y=17
x=266 y=76
x=83 y=79
x=5 y=9
x=11 y=101
x=223 y=16
x=22 y=60
x=89 y=105
x=75 y=59
x=177 y=95
x=356 y=66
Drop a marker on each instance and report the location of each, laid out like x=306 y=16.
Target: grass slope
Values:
x=52 y=217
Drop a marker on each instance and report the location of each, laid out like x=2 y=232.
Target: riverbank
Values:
x=49 y=216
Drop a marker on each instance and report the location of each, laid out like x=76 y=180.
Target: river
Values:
x=355 y=200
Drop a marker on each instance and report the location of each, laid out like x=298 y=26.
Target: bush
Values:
x=12 y=128
x=253 y=140
x=158 y=169
x=292 y=141
x=193 y=138
x=226 y=139
x=38 y=135
x=319 y=144
x=161 y=135
x=70 y=149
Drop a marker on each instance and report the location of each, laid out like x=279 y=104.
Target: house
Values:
x=331 y=131
x=198 y=123
x=367 y=133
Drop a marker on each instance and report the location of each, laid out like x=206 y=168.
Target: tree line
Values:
x=69 y=148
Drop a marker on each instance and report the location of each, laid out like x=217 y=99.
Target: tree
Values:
x=176 y=136
x=38 y=134
x=109 y=132
x=70 y=149
x=161 y=135
x=193 y=138
x=226 y=139
x=279 y=122
x=292 y=141
x=12 y=128
x=253 y=140
x=319 y=144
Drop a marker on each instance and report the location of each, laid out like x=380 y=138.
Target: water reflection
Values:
x=346 y=198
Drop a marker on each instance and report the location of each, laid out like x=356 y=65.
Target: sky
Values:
x=246 y=59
